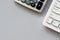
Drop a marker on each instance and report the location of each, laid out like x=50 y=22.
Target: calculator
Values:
x=36 y=5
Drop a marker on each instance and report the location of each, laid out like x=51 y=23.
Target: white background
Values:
x=20 y=23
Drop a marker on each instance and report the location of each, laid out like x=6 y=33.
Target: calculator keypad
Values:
x=34 y=3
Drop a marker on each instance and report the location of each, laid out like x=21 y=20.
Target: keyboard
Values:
x=52 y=19
x=36 y=5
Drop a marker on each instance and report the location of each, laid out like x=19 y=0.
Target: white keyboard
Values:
x=36 y=5
x=52 y=19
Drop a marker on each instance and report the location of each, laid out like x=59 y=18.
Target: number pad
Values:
x=33 y=3
x=36 y=5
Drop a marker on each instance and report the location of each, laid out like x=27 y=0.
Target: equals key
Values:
x=39 y=5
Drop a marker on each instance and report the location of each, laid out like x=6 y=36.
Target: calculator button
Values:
x=42 y=0
x=49 y=20
x=33 y=4
x=39 y=5
x=31 y=1
x=27 y=2
x=55 y=23
x=35 y=1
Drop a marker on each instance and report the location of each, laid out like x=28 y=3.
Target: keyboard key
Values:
x=54 y=16
x=56 y=11
x=57 y=5
x=49 y=20
x=39 y=5
x=55 y=23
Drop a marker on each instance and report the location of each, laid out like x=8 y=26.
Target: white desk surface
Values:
x=20 y=23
